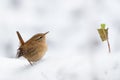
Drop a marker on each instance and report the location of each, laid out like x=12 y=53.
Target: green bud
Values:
x=102 y=26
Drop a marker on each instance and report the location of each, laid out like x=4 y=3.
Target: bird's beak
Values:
x=46 y=33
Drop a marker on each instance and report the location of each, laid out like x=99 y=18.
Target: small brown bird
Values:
x=34 y=49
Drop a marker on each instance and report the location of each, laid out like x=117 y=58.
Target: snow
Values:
x=97 y=67
x=75 y=50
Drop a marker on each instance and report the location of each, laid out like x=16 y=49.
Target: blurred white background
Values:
x=75 y=50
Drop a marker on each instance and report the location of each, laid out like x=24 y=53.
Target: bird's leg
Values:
x=30 y=62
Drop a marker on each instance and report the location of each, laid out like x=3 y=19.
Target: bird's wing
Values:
x=29 y=50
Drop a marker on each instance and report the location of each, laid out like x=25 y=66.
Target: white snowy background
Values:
x=75 y=51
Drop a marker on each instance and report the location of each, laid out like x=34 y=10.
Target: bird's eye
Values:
x=39 y=38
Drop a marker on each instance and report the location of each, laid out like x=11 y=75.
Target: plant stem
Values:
x=106 y=35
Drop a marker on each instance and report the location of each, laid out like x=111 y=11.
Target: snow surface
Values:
x=75 y=51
